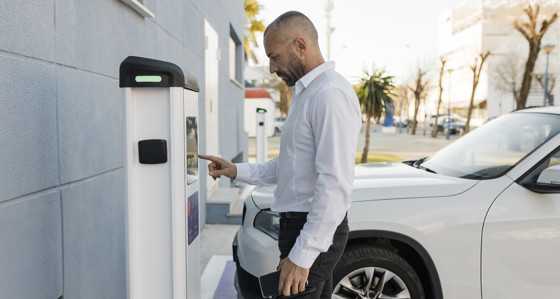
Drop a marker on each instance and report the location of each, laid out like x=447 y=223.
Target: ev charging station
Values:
x=162 y=198
x=262 y=145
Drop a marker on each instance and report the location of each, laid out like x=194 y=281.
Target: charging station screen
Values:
x=192 y=150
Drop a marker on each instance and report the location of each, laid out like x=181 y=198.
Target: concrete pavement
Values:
x=404 y=145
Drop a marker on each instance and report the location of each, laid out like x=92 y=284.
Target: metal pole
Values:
x=546 y=80
x=261 y=141
x=547 y=48
x=449 y=105
x=330 y=29
x=400 y=117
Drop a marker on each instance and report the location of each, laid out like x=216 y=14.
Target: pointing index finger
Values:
x=209 y=157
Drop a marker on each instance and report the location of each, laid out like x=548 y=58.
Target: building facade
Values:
x=481 y=26
x=61 y=128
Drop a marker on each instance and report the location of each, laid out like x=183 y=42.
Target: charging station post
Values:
x=162 y=186
x=261 y=140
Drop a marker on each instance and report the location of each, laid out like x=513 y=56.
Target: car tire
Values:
x=394 y=277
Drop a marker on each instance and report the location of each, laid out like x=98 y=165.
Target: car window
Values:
x=491 y=150
x=555 y=159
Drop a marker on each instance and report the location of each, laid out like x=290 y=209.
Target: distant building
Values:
x=475 y=27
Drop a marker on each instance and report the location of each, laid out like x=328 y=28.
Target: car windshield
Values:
x=490 y=151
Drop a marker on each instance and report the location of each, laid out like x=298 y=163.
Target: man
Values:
x=315 y=168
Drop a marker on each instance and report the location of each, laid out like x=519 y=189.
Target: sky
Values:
x=395 y=35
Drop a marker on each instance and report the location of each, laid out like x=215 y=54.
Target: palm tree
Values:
x=374 y=93
x=252 y=26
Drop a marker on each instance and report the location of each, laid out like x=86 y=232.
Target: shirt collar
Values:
x=304 y=81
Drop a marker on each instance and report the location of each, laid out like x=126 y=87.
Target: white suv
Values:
x=478 y=219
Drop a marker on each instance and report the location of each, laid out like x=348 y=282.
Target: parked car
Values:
x=478 y=219
x=278 y=124
x=405 y=122
x=453 y=124
x=432 y=119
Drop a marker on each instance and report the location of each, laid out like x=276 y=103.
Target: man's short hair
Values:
x=295 y=24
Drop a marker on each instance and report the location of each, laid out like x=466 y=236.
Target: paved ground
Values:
x=216 y=239
x=402 y=144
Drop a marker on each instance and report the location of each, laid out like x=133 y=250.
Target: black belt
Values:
x=287 y=215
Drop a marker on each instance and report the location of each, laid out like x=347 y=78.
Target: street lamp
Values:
x=547 y=48
x=400 y=116
x=449 y=104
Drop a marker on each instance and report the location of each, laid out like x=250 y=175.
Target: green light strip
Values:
x=142 y=79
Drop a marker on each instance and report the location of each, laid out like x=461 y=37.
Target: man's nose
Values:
x=272 y=67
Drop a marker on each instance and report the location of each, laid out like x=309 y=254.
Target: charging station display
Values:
x=192 y=149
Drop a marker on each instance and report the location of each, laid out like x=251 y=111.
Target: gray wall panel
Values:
x=94 y=238
x=90 y=124
x=184 y=22
x=96 y=35
x=33 y=19
x=160 y=45
x=28 y=136
x=31 y=247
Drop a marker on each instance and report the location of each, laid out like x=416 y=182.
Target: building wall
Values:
x=480 y=26
x=61 y=132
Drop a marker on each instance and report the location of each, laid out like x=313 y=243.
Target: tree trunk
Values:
x=366 y=146
x=471 y=103
x=477 y=70
x=435 y=129
x=521 y=99
x=414 y=120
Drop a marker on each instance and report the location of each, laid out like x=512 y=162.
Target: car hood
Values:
x=383 y=181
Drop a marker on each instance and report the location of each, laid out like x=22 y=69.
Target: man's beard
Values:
x=294 y=71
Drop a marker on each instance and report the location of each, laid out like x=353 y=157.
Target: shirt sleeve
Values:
x=336 y=122
x=257 y=174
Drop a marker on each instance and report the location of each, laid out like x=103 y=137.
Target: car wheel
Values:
x=374 y=272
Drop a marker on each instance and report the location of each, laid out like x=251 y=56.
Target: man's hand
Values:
x=220 y=167
x=292 y=278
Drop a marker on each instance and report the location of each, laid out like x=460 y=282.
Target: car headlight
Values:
x=268 y=222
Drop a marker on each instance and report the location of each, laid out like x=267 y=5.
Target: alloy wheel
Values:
x=371 y=283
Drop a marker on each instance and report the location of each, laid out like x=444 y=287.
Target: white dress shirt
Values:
x=315 y=168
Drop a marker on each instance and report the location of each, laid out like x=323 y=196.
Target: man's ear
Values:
x=300 y=45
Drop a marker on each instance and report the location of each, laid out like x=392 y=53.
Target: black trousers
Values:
x=320 y=273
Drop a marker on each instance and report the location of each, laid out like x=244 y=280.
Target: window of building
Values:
x=235 y=58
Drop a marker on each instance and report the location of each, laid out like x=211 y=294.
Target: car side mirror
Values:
x=548 y=181
x=550 y=176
